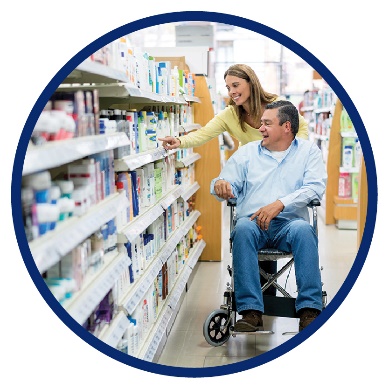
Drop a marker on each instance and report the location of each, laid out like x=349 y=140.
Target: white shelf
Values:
x=94 y=73
x=81 y=304
x=192 y=99
x=132 y=162
x=114 y=331
x=323 y=109
x=348 y=134
x=48 y=249
x=189 y=191
x=188 y=160
x=57 y=153
x=348 y=169
x=172 y=195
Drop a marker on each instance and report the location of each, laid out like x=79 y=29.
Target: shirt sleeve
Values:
x=212 y=129
x=234 y=171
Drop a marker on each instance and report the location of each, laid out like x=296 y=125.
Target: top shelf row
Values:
x=113 y=83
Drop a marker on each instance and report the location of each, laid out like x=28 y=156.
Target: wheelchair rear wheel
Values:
x=216 y=327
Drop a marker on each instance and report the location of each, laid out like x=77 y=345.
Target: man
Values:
x=272 y=181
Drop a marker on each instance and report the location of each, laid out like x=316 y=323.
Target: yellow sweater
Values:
x=227 y=120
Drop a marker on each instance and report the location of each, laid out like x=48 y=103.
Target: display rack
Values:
x=340 y=211
x=48 y=249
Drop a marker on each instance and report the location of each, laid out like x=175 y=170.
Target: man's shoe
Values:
x=251 y=321
x=307 y=316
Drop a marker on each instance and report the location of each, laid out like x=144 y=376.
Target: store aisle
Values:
x=186 y=345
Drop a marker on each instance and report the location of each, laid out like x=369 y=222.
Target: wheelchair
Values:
x=219 y=325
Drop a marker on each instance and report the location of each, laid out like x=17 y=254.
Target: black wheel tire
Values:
x=215 y=328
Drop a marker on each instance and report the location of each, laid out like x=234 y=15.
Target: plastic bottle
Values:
x=132 y=121
x=348 y=153
x=151 y=130
x=142 y=131
x=161 y=128
x=357 y=153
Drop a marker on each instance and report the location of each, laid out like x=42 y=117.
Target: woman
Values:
x=241 y=118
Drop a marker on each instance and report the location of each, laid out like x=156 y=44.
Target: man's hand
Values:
x=170 y=143
x=222 y=189
x=267 y=213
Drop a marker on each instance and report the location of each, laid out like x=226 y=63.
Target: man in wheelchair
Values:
x=273 y=180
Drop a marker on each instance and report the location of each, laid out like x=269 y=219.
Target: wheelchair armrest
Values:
x=314 y=203
x=231 y=202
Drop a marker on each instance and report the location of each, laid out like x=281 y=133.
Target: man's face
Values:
x=273 y=134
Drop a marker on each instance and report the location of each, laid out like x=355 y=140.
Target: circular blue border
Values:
x=171 y=18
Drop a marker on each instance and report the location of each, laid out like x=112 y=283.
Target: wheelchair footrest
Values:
x=280 y=306
x=259 y=332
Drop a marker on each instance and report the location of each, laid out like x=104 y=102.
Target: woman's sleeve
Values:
x=303 y=128
x=212 y=129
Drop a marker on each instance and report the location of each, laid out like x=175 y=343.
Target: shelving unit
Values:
x=48 y=249
x=207 y=168
x=340 y=211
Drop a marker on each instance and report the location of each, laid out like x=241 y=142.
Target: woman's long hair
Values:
x=258 y=96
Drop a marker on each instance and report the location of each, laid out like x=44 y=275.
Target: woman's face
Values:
x=238 y=89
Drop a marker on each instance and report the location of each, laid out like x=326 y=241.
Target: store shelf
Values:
x=189 y=191
x=193 y=99
x=171 y=196
x=188 y=160
x=124 y=91
x=114 y=331
x=113 y=88
x=138 y=289
x=140 y=223
x=82 y=303
x=48 y=249
x=154 y=338
x=57 y=153
x=348 y=134
x=90 y=72
x=132 y=162
x=324 y=109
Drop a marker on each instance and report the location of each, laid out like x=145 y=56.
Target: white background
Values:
x=38 y=39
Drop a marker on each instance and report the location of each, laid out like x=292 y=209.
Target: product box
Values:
x=174 y=61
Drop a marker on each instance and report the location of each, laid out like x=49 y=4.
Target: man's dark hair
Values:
x=287 y=112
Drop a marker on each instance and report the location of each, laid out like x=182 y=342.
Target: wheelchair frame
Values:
x=219 y=325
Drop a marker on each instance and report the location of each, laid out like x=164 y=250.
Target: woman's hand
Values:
x=170 y=143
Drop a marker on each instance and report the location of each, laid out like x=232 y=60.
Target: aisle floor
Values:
x=186 y=345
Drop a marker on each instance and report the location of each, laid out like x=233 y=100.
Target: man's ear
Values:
x=288 y=127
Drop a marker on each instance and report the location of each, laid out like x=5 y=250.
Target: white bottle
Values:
x=130 y=334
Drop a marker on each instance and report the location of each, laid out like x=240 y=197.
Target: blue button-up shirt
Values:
x=258 y=179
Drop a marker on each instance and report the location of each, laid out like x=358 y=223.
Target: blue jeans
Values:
x=296 y=236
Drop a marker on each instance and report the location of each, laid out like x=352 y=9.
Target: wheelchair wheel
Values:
x=215 y=329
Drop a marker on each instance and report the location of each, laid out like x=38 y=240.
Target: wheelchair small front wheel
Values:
x=216 y=327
